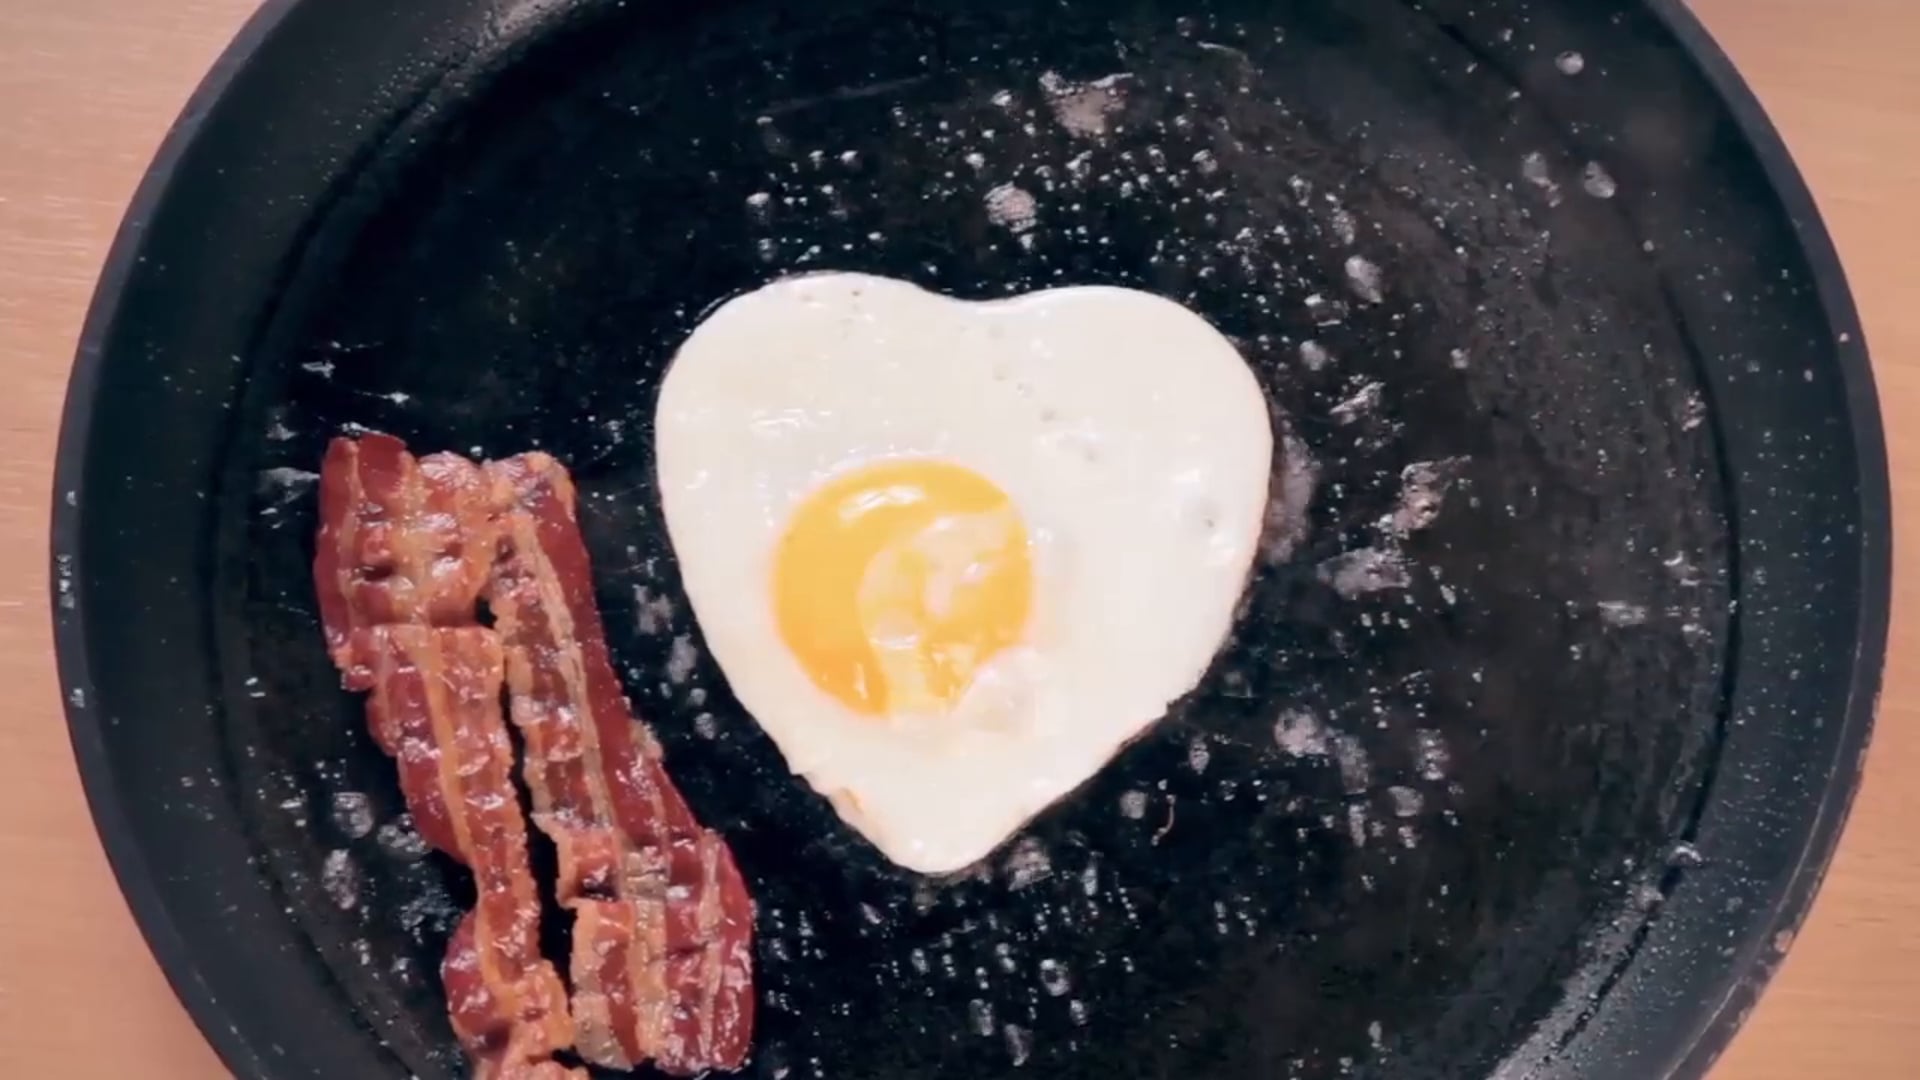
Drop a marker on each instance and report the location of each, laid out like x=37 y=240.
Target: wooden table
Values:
x=87 y=88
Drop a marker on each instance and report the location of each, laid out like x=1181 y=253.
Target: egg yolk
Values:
x=896 y=582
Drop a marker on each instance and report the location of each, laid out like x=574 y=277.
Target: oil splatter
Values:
x=1345 y=229
x=681 y=660
x=1365 y=570
x=1619 y=613
x=1054 y=978
x=1300 y=734
x=1683 y=571
x=652 y=614
x=1287 y=519
x=1084 y=108
x=1597 y=182
x=1012 y=208
x=1685 y=856
x=399 y=839
x=1027 y=865
x=1534 y=169
x=980 y=1017
x=352 y=814
x=341 y=879
x=1423 y=491
x=1019 y=1044
x=1362 y=401
x=1356 y=766
x=1363 y=277
x=1407 y=802
x=288 y=483
x=63 y=582
x=1694 y=413
x=1430 y=754
x=1198 y=755
x=1325 y=311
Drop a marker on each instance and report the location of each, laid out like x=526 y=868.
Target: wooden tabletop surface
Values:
x=87 y=88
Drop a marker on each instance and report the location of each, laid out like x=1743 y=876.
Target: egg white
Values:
x=1128 y=432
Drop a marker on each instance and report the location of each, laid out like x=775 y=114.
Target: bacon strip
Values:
x=405 y=547
x=662 y=961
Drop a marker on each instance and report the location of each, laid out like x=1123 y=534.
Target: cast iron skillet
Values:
x=1548 y=697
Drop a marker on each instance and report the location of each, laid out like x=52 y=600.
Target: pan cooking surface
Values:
x=1565 y=458
x=1322 y=853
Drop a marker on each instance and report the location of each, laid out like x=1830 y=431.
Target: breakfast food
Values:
x=662 y=960
x=399 y=563
x=952 y=556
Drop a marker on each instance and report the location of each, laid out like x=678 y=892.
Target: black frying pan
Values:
x=1548 y=795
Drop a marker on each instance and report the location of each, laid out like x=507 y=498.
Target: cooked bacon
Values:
x=405 y=547
x=662 y=961
x=402 y=539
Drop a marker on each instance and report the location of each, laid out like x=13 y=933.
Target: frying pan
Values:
x=1547 y=698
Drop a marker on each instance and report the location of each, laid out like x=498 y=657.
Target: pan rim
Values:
x=1690 y=1041
x=129 y=862
x=1696 y=1044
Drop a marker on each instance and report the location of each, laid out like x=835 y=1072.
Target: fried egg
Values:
x=953 y=556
